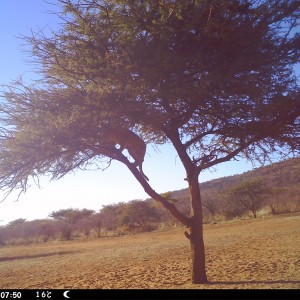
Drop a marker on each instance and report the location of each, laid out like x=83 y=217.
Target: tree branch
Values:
x=148 y=189
x=227 y=157
x=198 y=137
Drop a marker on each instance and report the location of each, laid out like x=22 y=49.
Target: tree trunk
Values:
x=198 y=268
x=194 y=222
x=253 y=209
x=273 y=209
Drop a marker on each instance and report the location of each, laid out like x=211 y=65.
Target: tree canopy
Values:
x=216 y=79
x=249 y=195
x=216 y=74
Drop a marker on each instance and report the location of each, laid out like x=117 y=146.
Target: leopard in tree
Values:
x=127 y=139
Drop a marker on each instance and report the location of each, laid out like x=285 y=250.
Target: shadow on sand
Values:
x=35 y=255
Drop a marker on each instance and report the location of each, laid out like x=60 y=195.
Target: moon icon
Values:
x=66 y=294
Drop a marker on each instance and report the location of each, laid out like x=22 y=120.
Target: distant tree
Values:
x=64 y=222
x=16 y=222
x=22 y=231
x=215 y=79
x=13 y=230
x=97 y=223
x=138 y=214
x=210 y=202
x=3 y=235
x=61 y=214
x=110 y=214
x=47 y=229
x=86 y=225
x=249 y=195
x=166 y=218
x=71 y=215
x=168 y=197
x=278 y=201
x=70 y=219
x=232 y=210
x=66 y=230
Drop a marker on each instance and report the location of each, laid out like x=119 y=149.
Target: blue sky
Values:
x=84 y=189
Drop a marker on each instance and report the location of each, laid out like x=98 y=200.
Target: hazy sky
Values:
x=84 y=189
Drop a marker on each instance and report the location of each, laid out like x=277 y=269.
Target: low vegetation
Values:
x=273 y=189
x=261 y=253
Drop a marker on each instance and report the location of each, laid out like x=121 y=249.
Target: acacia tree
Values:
x=213 y=78
x=138 y=213
x=249 y=195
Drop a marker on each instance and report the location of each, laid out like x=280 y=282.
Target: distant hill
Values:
x=281 y=194
x=284 y=175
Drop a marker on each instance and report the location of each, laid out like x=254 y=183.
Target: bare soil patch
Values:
x=249 y=254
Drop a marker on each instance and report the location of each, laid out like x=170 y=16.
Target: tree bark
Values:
x=198 y=268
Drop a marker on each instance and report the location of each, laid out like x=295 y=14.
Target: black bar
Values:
x=199 y=294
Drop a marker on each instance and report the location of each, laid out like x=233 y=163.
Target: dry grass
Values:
x=262 y=253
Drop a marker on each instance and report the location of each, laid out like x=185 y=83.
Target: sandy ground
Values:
x=247 y=254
